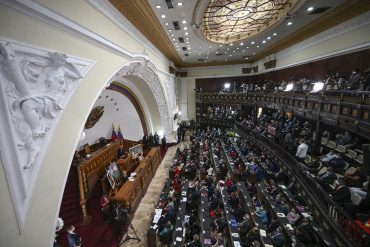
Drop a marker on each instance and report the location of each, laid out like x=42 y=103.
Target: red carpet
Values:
x=97 y=233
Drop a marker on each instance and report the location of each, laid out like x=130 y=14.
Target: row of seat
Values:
x=293 y=203
x=355 y=155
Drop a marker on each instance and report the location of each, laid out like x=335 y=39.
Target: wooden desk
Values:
x=89 y=171
x=131 y=192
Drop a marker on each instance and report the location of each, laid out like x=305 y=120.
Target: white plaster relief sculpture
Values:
x=35 y=93
x=143 y=68
x=35 y=86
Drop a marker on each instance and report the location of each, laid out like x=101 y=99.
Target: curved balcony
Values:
x=345 y=109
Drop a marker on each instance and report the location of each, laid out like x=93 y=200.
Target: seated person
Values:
x=120 y=152
x=341 y=194
x=361 y=191
x=293 y=216
x=261 y=213
x=195 y=242
x=239 y=212
x=329 y=156
x=166 y=233
x=278 y=237
x=354 y=177
x=326 y=178
x=337 y=164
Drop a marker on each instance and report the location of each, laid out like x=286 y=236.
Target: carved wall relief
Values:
x=35 y=86
x=143 y=69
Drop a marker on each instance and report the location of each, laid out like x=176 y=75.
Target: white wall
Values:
x=118 y=110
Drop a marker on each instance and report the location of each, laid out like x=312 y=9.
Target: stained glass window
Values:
x=226 y=21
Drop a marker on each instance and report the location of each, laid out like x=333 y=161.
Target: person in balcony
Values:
x=354 y=80
x=337 y=163
x=345 y=139
x=301 y=151
x=342 y=193
x=329 y=156
x=293 y=216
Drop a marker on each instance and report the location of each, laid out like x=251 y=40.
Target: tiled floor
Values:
x=145 y=211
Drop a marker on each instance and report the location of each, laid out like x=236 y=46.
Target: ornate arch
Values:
x=144 y=69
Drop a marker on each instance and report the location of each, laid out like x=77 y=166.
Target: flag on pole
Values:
x=114 y=134
x=120 y=136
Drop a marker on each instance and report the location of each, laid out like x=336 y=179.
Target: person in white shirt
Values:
x=301 y=150
x=329 y=156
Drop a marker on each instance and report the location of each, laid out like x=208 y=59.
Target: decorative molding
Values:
x=331 y=33
x=109 y=11
x=340 y=14
x=39 y=11
x=143 y=69
x=36 y=85
x=141 y=15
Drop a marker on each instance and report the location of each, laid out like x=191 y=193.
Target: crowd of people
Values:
x=333 y=81
x=219 y=165
x=222 y=112
x=345 y=181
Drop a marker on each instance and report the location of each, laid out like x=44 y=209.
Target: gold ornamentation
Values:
x=94 y=116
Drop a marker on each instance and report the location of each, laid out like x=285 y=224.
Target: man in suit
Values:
x=120 y=152
x=342 y=193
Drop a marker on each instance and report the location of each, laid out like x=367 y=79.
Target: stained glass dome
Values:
x=226 y=21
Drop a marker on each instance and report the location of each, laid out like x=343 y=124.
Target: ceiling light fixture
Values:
x=158 y=6
x=185 y=28
x=231 y=44
x=169 y=30
x=254 y=53
x=263 y=41
x=252 y=43
x=186 y=33
x=173 y=39
x=163 y=16
x=184 y=22
x=179 y=4
x=309 y=9
x=175 y=43
x=231 y=55
x=247 y=47
x=241 y=43
x=243 y=50
x=166 y=24
x=274 y=34
x=258 y=46
x=172 y=35
x=289 y=23
x=269 y=37
x=220 y=45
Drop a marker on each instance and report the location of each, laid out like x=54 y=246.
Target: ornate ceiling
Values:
x=194 y=33
x=227 y=21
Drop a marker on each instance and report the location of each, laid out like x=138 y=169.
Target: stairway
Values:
x=95 y=234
